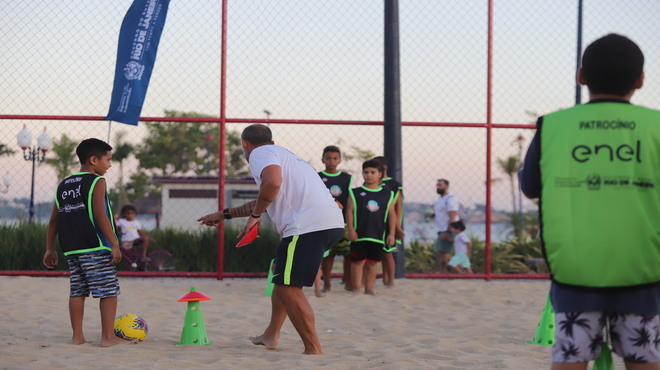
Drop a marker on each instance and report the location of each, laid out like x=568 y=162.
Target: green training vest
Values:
x=600 y=198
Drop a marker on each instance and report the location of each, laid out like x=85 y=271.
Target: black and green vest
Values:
x=600 y=197
x=370 y=212
x=77 y=230
x=338 y=183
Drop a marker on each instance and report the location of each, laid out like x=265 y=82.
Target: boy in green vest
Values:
x=82 y=222
x=595 y=168
x=370 y=224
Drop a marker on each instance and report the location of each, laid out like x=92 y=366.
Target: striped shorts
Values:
x=93 y=273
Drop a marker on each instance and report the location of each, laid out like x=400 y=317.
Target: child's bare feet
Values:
x=370 y=292
x=262 y=340
x=78 y=339
x=109 y=342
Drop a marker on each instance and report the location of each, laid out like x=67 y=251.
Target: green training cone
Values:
x=194 y=331
x=604 y=361
x=545 y=330
x=268 y=291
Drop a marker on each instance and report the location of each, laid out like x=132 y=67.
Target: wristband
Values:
x=226 y=215
x=254 y=216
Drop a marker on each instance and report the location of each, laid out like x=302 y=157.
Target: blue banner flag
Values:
x=136 y=54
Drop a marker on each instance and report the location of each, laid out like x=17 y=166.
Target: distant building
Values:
x=186 y=198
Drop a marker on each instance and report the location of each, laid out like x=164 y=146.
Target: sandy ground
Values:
x=420 y=324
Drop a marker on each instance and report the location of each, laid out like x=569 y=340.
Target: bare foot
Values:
x=310 y=352
x=325 y=289
x=370 y=292
x=348 y=288
x=78 y=340
x=318 y=294
x=105 y=342
x=263 y=341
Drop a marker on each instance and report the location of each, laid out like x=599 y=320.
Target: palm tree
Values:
x=4 y=150
x=64 y=156
x=510 y=166
x=120 y=152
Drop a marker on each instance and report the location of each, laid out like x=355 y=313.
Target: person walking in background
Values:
x=595 y=169
x=83 y=224
x=446 y=212
x=460 y=261
x=307 y=217
x=338 y=183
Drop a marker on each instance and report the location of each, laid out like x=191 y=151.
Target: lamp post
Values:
x=6 y=181
x=34 y=154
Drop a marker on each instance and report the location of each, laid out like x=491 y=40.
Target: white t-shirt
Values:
x=129 y=229
x=461 y=243
x=303 y=204
x=442 y=207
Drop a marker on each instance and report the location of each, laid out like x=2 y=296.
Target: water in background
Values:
x=427 y=232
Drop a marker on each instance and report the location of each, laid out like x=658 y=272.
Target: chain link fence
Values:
x=312 y=70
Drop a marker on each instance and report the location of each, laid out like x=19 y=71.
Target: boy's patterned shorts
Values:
x=578 y=336
x=93 y=273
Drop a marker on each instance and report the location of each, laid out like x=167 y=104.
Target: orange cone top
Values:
x=193 y=296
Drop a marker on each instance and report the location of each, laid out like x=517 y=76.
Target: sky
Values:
x=313 y=59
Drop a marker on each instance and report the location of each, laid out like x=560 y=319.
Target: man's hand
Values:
x=248 y=226
x=116 y=255
x=212 y=219
x=399 y=234
x=351 y=235
x=50 y=259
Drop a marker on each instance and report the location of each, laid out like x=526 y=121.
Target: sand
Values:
x=420 y=324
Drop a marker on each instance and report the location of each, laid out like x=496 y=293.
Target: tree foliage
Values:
x=182 y=148
x=5 y=150
x=62 y=156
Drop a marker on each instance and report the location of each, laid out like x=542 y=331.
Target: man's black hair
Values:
x=257 y=134
x=331 y=149
x=92 y=147
x=612 y=64
x=445 y=181
x=372 y=163
x=126 y=208
x=458 y=225
x=382 y=160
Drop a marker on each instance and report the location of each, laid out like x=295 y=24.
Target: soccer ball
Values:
x=131 y=327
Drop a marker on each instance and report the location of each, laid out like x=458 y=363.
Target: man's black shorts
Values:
x=367 y=250
x=298 y=257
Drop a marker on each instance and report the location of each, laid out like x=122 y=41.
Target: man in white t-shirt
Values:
x=304 y=213
x=446 y=213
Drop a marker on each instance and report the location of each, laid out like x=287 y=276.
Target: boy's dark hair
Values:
x=445 y=181
x=458 y=225
x=372 y=163
x=331 y=149
x=257 y=134
x=92 y=147
x=382 y=160
x=612 y=64
x=127 y=208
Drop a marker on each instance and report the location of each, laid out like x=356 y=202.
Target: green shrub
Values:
x=23 y=246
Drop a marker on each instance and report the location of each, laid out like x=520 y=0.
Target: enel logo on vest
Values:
x=623 y=152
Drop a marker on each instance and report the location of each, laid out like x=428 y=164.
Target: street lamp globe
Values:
x=44 y=141
x=24 y=138
x=6 y=180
